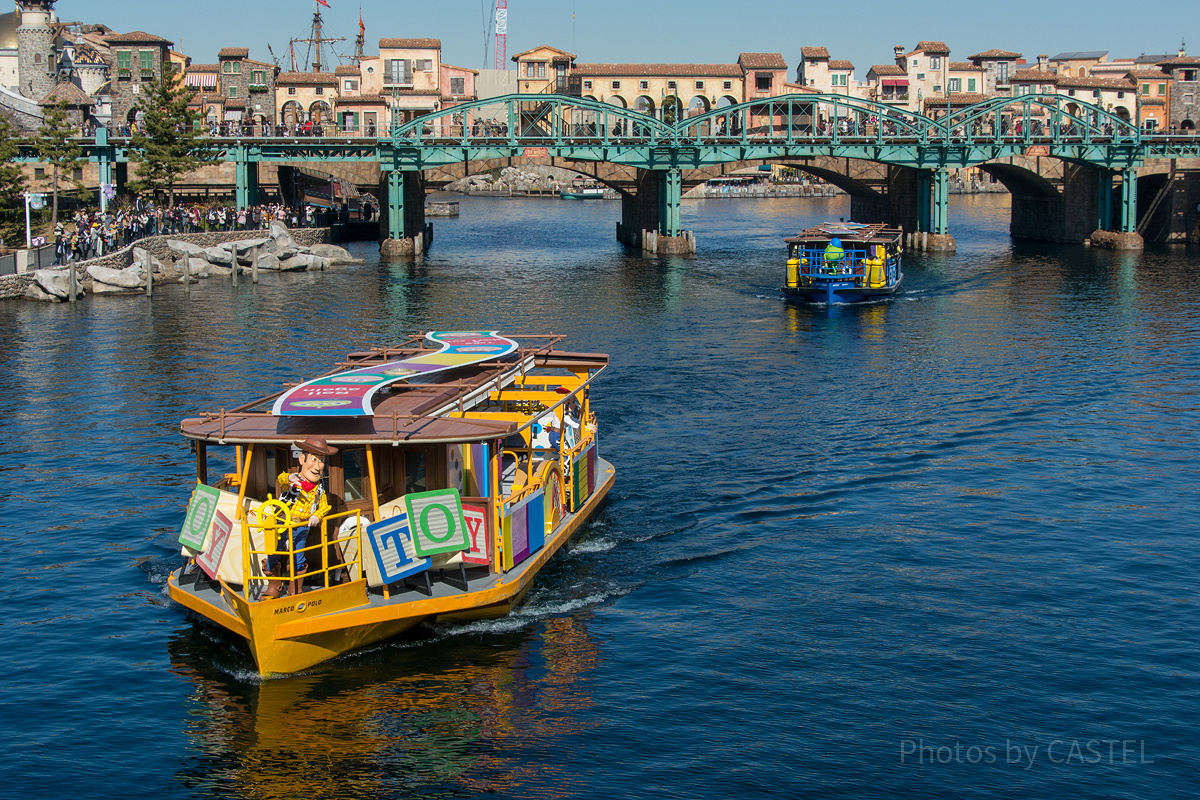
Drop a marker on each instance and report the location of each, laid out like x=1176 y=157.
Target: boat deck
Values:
x=204 y=595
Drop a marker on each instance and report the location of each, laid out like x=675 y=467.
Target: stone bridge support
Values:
x=402 y=228
x=916 y=200
x=1169 y=200
x=650 y=214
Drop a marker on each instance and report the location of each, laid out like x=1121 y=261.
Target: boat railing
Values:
x=807 y=263
x=273 y=521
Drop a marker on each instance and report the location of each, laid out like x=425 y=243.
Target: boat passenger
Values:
x=834 y=255
x=302 y=493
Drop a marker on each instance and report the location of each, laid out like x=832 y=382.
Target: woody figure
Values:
x=301 y=491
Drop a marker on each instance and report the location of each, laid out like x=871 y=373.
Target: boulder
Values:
x=105 y=288
x=246 y=245
x=54 y=282
x=269 y=261
x=184 y=249
x=35 y=292
x=217 y=269
x=218 y=255
x=129 y=278
x=146 y=261
x=295 y=263
x=335 y=254
x=280 y=236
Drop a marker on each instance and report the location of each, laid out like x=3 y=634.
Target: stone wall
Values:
x=12 y=287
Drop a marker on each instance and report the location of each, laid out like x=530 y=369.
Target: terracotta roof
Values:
x=887 y=69
x=464 y=69
x=136 y=37
x=517 y=56
x=762 y=61
x=234 y=102
x=659 y=70
x=261 y=63
x=1096 y=83
x=234 y=52
x=1033 y=76
x=995 y=54
x=1147 y=74
x=840 y=63
x=306 y=78
x=204 y=68
x=955 y=99
x=931 y=48
x=362 y=100
x=346 y=69
x=965 y=66
x=396 y=44
x=1183 y=61
x=814 y=52
x=67 y=93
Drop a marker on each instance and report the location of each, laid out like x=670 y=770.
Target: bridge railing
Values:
x=534 y=120
x=1037 y=119
x=803 y=118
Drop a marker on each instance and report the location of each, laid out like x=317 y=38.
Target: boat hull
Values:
x=834 y=291
x=286 y=636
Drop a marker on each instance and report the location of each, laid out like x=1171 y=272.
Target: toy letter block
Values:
x=437 y=521
x=583 y=477
x=199 y=517
x=477 y=529
x=210 y=559
x=394 y=551
x=524 y=530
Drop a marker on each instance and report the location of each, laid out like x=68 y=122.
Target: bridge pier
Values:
x=651 y=218
x=402 y=228
x=1125 y=237
x=246 y=189
x=917 y=200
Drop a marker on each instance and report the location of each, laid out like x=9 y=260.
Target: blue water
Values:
x=940 y=546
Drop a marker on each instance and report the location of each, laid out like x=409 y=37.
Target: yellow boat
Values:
x=464 y=461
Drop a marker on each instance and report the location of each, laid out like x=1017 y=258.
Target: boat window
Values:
x=354 y=474
x=414 y=471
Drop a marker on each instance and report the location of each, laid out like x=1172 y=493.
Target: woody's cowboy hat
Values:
x=315 y=445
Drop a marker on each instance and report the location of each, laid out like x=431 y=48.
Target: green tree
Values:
x=166 y=144
x=671 y=109
x=58 y=149
x=12 y=181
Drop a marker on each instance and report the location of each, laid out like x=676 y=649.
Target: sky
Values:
x=673 y=31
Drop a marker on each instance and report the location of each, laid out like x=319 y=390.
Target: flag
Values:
x=322 y=2
x=362 y=29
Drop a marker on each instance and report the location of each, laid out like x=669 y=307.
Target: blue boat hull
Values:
x=839 y=291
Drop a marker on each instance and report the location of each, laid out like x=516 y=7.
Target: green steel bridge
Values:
x=779 y=129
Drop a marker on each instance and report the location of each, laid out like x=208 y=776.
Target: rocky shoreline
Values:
x=185 y=257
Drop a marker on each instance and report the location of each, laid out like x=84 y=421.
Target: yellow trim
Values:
x=500 y=593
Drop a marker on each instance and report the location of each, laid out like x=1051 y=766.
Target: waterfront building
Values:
x=1184 y=90
x=140 y=57
x=1151 y=88
x=1078 y=64
x=928 y=69
x=36 y=64
x=888 y=83
x=818 y=71
x=998 y=67
x=1034 y=81
x=247 y=87
x=305 y=97
x=1117 y=95
x=544 y=69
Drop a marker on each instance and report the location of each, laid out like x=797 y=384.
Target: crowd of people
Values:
x=91 y=234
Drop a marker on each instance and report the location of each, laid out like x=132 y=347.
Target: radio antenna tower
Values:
x=501 y=34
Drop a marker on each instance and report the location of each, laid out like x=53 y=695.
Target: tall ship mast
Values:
x=316 y=42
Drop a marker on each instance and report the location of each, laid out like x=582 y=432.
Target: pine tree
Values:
x=12 y=181
x=166 y=144
x=58 y=149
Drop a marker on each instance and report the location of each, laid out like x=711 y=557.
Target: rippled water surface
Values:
x=941 y=546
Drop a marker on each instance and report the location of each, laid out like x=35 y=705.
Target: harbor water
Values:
x=939 y=546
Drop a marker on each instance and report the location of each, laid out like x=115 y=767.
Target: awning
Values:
x=205 y=80
x=895 y=81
